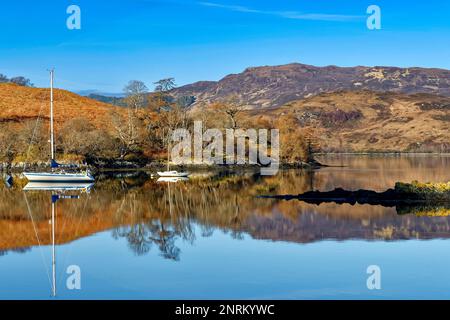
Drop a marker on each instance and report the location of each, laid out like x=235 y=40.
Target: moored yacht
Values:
x=57 y=173
x=171 y=173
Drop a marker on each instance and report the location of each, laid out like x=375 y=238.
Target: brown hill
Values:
x=353 y=121
x=374 y=121
x=273 y=86
x=19 y=103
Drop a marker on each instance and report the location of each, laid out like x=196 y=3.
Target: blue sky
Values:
x=207 y=39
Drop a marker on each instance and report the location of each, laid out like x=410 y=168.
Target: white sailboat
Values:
x=57 y=174
x=172 y=179
x=171 y=174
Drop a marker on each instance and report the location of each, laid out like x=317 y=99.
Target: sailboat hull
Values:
x=58 y=177
x=173 y=174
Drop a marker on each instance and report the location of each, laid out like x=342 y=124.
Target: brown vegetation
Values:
x=343 y=121
x=92 y=131
x=366 y=121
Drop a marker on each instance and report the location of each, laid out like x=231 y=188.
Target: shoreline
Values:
x=399 y=153
x=158 y=166
x=103 y=166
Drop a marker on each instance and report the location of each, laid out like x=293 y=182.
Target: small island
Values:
x=414 y=193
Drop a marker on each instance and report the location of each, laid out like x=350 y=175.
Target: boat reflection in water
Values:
x=58 y=187
x=58 y=191
x=172 y=179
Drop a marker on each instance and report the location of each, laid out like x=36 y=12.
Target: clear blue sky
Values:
x=195 y=40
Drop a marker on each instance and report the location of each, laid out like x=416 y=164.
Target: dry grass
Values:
x=18 y=103
x=388 y=121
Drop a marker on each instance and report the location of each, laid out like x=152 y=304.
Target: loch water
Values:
x=213 y=237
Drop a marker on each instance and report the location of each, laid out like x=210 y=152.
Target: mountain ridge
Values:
x=274 y=86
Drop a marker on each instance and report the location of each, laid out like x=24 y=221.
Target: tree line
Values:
x=19 y=80
x=141 y=132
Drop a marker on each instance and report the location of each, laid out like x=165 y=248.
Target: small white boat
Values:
x=54 y=175
x=172 y=179
x=173 y=174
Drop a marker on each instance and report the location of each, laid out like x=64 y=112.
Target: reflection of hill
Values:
x=322 y=223
x=142 y=212
x=379 y=172
x=75 y=219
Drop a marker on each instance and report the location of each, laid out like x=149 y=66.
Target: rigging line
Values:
x=32 y=136
x=69 y=251
x=37 y=237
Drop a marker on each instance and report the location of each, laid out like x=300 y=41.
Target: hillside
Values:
x=373 y=121
x=20 y=103
x=341 y=121
x=273 y=86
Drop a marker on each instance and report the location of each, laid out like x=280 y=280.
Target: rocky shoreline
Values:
x=156 y=165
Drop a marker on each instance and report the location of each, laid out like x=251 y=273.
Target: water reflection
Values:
x=58 y=192
x=159 y=215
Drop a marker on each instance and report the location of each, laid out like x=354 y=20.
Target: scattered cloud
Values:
x=295 y=15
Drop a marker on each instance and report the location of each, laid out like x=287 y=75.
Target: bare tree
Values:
x=127 y=129
x=135 y=92
x=33 y=140
x=231 y=107
x=75 y=136
x=9 y=147
x=78 y=136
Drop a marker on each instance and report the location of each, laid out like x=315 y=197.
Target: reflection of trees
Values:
x=149 y=214
x=137 y=237
x=171 y=212
x=16 y=250
x=206 y=230
x=149 y=217
x=142 y=235
x=165 y=239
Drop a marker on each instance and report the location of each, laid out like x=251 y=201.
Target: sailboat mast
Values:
x=52 y=146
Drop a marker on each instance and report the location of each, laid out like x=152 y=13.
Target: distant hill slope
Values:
x=87 y=93
x=373 y=121
x=273 y=86
x=108 y=99
x=19 y=103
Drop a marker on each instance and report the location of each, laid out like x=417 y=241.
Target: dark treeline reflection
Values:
x=153 y=215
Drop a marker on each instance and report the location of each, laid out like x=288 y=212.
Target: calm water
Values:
x=211 y=237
